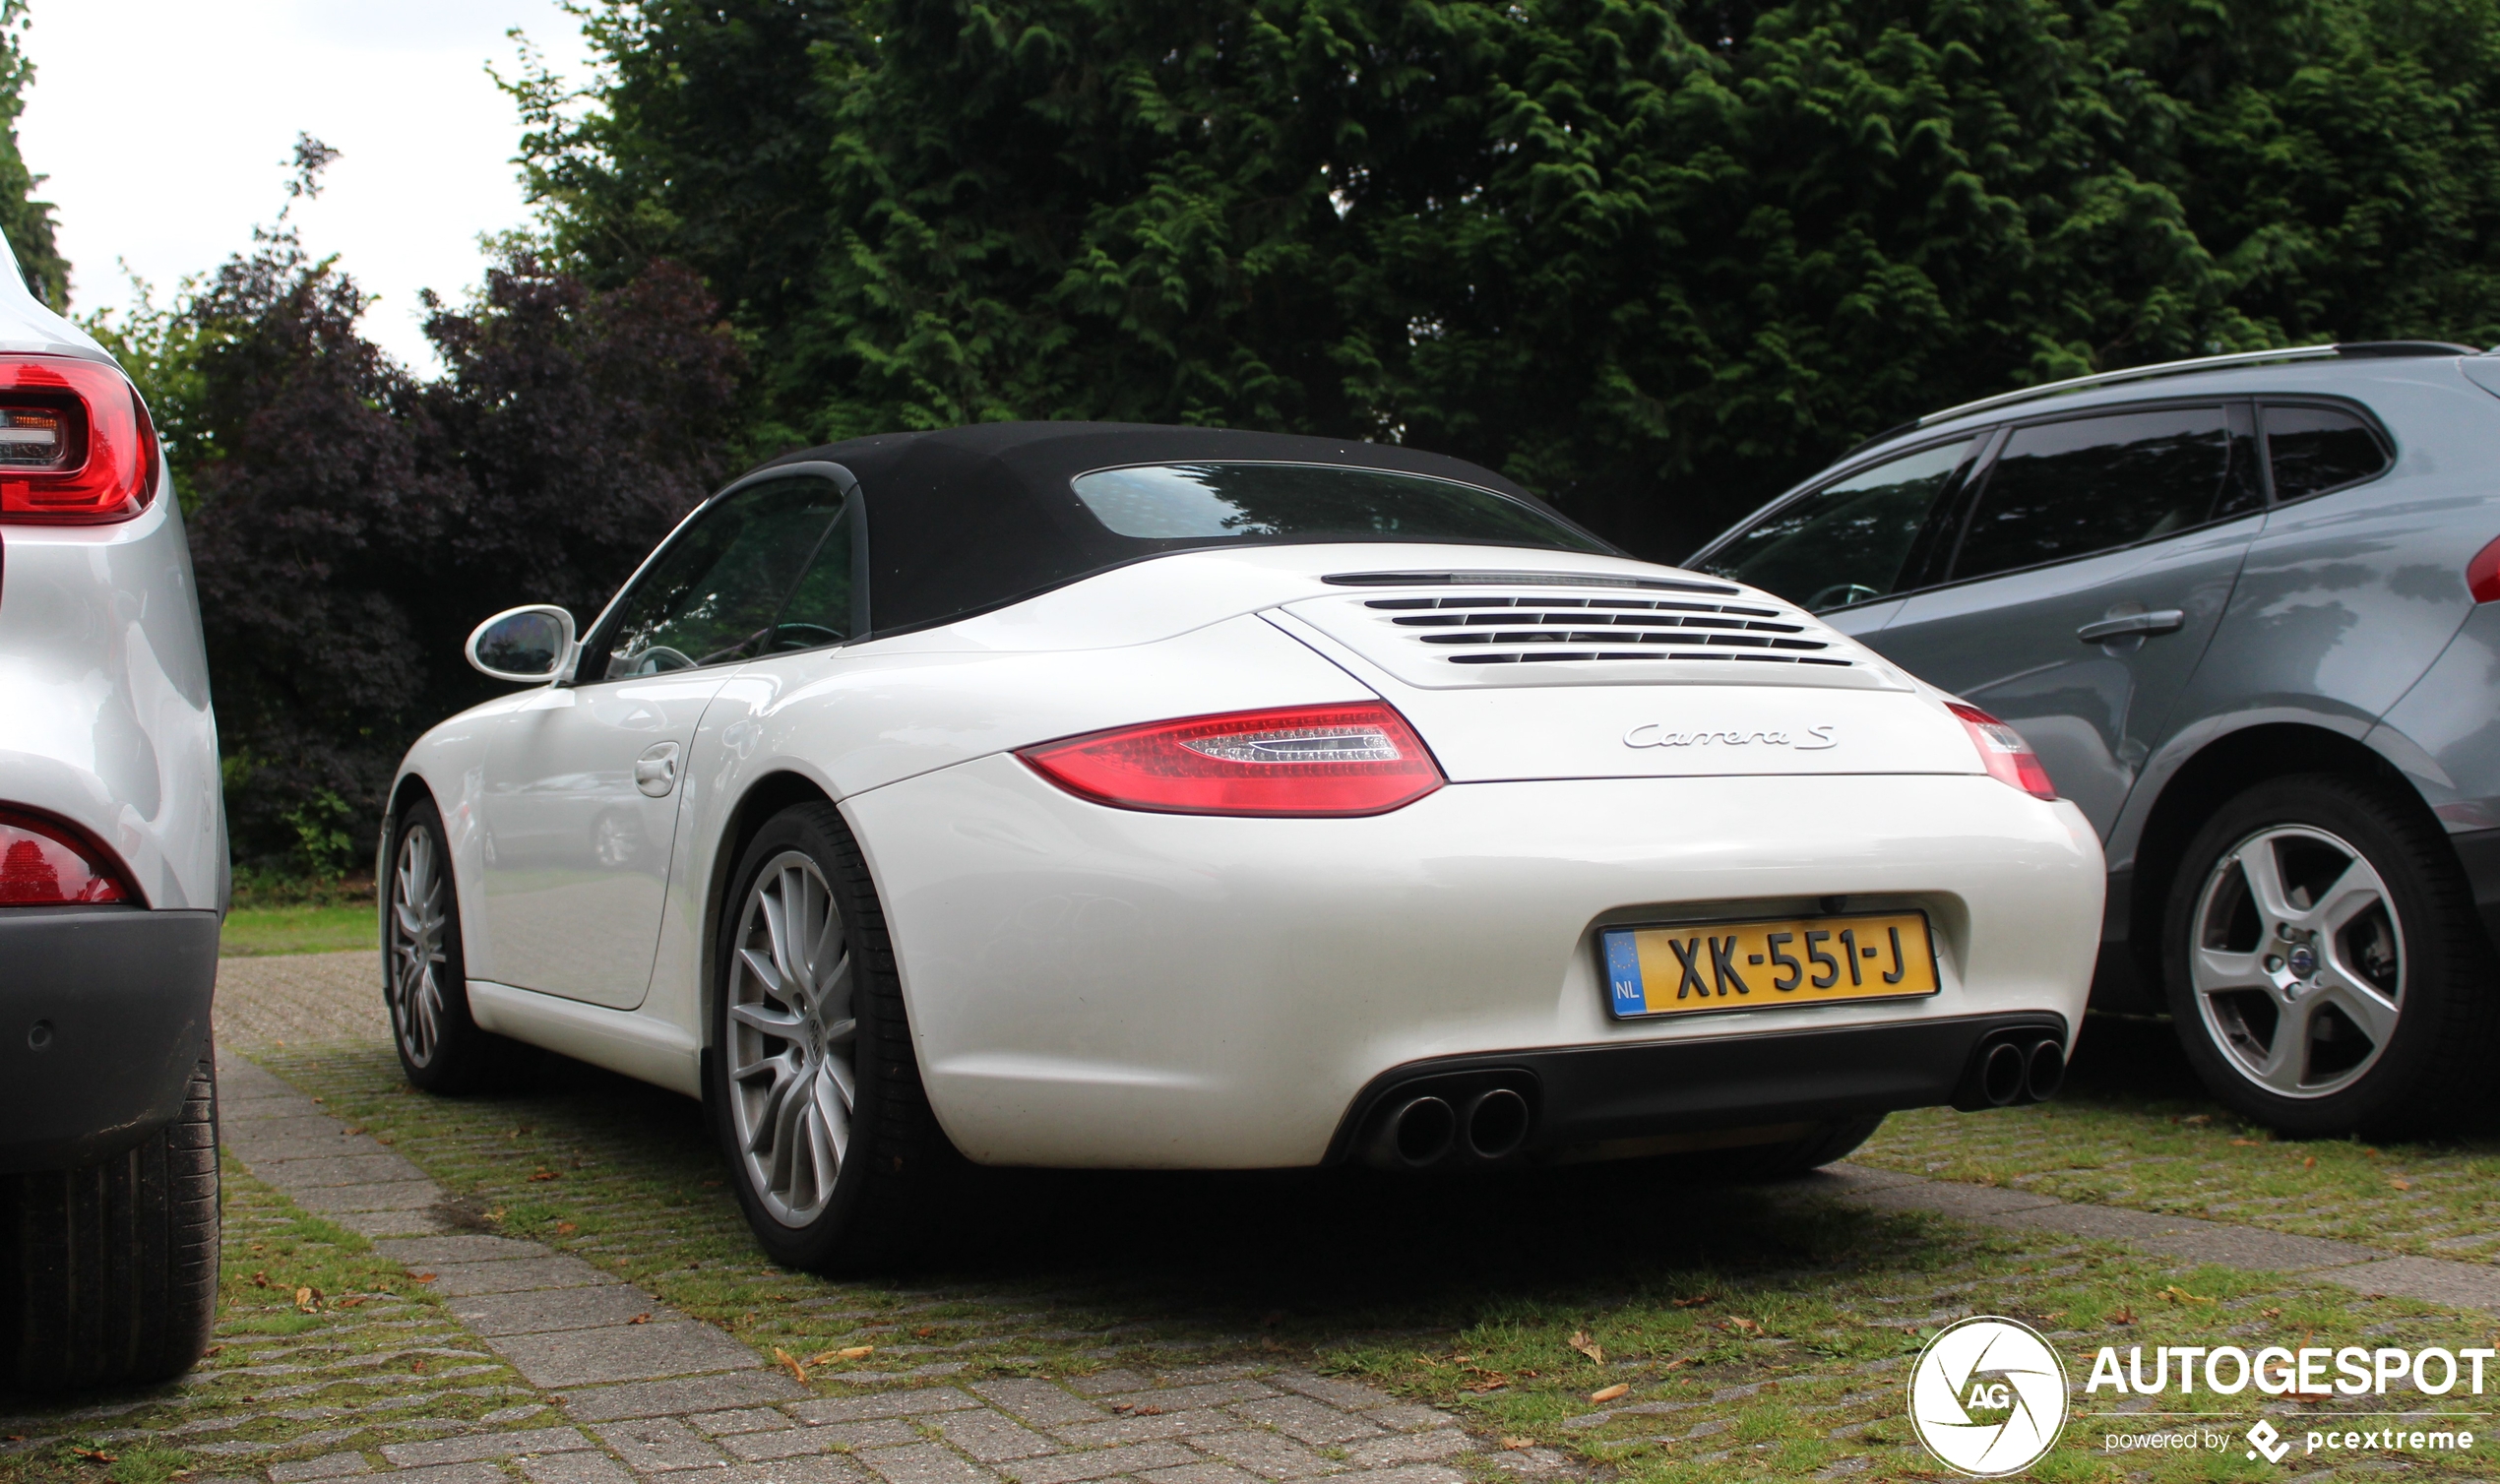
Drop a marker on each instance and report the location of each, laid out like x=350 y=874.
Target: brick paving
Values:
x=647 y=1391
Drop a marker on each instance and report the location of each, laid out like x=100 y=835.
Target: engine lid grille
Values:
x=1509 y=630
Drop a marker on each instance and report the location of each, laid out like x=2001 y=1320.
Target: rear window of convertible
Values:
x=1214 y=503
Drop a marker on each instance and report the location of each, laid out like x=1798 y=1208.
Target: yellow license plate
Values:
x=1752 y=965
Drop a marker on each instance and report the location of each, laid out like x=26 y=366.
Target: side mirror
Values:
x=527 y=646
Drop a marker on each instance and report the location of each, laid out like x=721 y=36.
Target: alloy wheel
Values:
x=418 y=961
x=2298 y=962
x=792 y=1039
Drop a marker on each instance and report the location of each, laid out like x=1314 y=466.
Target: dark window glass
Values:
x=1844 y=543
x=819 y=610
x=2319 y=447
x=1217 y=502
x=2068 y=489
x=716 y=593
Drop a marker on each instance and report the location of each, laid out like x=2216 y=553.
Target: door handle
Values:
x=656 y=771
x=2160 y=621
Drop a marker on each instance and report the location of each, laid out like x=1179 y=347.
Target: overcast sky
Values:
x=165 y=127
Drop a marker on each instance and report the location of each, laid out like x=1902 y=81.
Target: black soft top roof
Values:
x=968 y=519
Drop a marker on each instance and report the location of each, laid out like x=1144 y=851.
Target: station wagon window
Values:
x=2317 y=449
x=729 y=587
x=1845 y=542
x=2086 y=484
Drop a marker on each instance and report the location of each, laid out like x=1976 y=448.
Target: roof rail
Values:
x=2134 y=373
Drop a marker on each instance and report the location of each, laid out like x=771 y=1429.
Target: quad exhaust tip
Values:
x=2044 y=1072
x=1421 y=1132
x=1496 y=1123
x=2001 y=1076
x=2014 y=1067
x=1450 y=1122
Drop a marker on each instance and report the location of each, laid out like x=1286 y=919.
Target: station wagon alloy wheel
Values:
x=792 y=1038
x=2298 y=962
x=417 y=959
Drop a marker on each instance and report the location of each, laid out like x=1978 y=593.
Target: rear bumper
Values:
x=104 y=1014
x=1585 y=1098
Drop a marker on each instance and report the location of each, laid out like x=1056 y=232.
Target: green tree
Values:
x=1655 y=260
x=26 y=221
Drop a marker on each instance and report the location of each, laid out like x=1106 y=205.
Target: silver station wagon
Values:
x=2247 y=610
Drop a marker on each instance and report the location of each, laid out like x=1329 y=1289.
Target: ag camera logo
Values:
x=1987 y=1397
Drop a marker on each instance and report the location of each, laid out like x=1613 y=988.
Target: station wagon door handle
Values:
x=2162 y=620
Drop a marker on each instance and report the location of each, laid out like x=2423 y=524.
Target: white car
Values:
x=1158 y=798
x=112 y=880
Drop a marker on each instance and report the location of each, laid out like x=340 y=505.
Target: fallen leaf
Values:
x=640 y=1318
x=260 y=1280
x=308 y=1299
x=349 y=1302
x=2178 y=1295
x=2309 y=1163
x=2123 y=1317
x=2247 y=1144
x=422 y=1278
x=2198 y=1118
x=1740 y=1325
x=1147 y=1409
x=566 y=1228
x=855 y=1352
x=211 y=1351
x=2371 y=1152
x=1516 y=1444
x=418 y=1364
x=790 y=1364
x=924 y=1331
x=543 y=1175
x=2270 y=1313
x=1618 y=1389
x=351 y=1133
x=2402 y=1185
x=2052 y=1316
x=96 y=1454
x=1680 y=1360
x=1696 y=1301
x=1581 y=1342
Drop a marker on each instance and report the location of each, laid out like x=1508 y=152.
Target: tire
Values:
x=424 y=978
x=839 y=1004
x=2361 y=1002
x=112 y=1271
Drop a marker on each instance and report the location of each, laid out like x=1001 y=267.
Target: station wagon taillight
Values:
x=2008 y=758
x=76 y=445
x=1306 y=761
x=44 y=864
x=2482 y=574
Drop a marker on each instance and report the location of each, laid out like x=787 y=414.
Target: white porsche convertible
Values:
x=1078 y=794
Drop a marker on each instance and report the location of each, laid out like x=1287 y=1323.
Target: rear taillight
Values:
x=76 y=446
x=1303 y=759
x=2482 y=574
x=46 y=864
x=2008 y=759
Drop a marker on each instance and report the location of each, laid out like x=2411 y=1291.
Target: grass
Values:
x=2134 y=1127
x=1761 y=1336
x=251 y=932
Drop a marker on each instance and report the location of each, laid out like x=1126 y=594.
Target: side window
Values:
x=717 y=594
x=1843 y=543
x=2086 y=484
x=819 y=609
x=2315 y=448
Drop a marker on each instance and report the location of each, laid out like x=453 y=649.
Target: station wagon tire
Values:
x=2324 y=968
x=110 y=1271
x=425 y=979
x=811 y=1075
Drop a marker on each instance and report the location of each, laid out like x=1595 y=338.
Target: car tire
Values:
x=811 y=1057
x=2324 y=968
x=424 y=977
x=110 y=1271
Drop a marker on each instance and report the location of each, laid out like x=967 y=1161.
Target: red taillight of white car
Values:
x=1308 y=761
x=2008 y=759
x=46 y=865
x=76 y=446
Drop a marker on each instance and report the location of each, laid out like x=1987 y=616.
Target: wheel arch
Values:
x=768 y=795
x=2222 y=768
